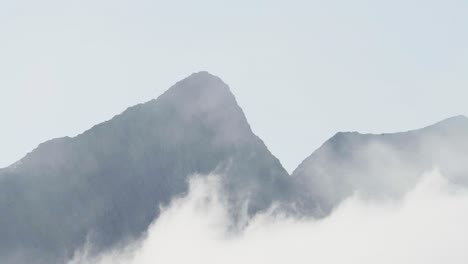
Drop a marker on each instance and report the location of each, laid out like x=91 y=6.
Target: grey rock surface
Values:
x=106 y=184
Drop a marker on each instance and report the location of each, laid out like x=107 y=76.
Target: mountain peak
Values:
x=202 y=74
x=116 y=174
x=203 y=97
x=202 y=81
x=201 y=91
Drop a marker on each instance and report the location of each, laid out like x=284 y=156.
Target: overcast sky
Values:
x=301 y=70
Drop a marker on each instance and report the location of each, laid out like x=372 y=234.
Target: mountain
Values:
x=380 y=166
x=106 y=184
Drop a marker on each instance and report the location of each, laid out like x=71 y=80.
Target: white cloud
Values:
x=429 y=225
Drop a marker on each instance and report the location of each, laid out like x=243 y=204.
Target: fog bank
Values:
x=427 y=226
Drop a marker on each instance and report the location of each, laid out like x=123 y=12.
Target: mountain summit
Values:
x=106 y=184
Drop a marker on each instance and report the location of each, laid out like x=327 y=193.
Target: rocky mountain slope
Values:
x=105 y=185
x=381 y=166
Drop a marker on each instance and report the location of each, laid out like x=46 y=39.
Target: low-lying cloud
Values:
x=429 y=225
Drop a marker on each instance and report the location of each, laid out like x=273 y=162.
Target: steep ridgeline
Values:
x=106 y=184
x=381 y=166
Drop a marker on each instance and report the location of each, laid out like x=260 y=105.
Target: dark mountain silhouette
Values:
x=381 y=166
x=105 y=185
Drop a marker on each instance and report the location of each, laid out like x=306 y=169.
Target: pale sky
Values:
x=301 y=70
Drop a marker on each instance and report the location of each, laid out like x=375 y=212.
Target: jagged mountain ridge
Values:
x=105 y=184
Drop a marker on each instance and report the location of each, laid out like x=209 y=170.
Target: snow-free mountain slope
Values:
x=381 y=166
x=106 y=185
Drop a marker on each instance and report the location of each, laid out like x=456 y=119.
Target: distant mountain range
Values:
x=105 y=185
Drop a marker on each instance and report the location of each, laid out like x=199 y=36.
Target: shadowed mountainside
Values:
x=105 y=185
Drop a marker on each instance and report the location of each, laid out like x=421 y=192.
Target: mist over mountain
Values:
x=381 y=166
x=106 y=185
